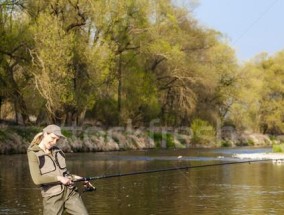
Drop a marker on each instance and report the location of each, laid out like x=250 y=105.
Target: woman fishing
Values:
x=48 y=169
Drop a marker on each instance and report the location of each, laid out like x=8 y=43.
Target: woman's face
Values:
x=50 y=140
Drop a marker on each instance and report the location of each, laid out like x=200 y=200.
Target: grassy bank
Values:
x=16 y=139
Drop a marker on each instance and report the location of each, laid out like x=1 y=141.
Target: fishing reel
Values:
x=88 y=187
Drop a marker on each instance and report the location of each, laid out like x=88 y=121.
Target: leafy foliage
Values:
x=202 y=132
x=110 y=61
x=260 y=99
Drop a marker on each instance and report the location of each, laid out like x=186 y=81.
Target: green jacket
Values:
x=44 y=168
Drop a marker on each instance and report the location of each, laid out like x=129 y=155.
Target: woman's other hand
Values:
x=65 y=180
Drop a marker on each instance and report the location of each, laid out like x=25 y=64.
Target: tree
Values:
x=114 y=61
x=260 y=98
x=12 y=56
x=272 y=97
x=51 y=57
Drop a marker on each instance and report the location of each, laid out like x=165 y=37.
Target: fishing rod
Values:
x=90 y=187
x=165 y=170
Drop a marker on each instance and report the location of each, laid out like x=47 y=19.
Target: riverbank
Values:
x=16 y=139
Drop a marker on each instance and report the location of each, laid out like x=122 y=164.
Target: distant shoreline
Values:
x=16 y=139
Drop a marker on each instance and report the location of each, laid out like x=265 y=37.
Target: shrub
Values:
x=225 y=143
x=203 y=133
x=278 y=147
x=163 y=140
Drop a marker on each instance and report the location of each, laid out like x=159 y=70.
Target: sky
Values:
x=251 y=26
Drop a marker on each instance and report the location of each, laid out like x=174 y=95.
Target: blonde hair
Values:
x=38 y=137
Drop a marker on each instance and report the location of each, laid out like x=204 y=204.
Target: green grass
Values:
x=278 y=148
x=160 y=138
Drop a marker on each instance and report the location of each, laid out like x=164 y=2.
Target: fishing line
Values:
x=255 y=21
x=191 y=185
x=179 y=169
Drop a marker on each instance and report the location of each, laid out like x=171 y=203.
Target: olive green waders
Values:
x=69 y=200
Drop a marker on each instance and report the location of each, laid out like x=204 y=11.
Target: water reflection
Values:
x=233 y=189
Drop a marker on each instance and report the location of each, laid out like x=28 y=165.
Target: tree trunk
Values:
x=81 y=117
x=119 y=90
x=17 y=97
x=20 y=108
x=42 y=117
x=1 y=108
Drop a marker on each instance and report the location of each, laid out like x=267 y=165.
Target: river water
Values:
x=255 y=188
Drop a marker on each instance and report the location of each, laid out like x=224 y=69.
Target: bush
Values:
x=278 y=147
x=163 y=140
x=203 y=133
x=225 y=143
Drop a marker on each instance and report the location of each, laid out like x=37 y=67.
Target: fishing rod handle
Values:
x=85 y=179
